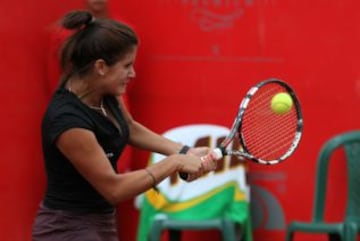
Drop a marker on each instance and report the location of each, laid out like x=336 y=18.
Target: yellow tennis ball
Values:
x=281 y=103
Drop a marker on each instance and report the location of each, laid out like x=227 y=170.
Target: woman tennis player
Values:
x=85 y=129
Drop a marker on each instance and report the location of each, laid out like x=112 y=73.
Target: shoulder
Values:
x=62 y=101
x=65 y=107
x=65 y=112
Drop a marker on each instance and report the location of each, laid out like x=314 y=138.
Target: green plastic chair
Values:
x=350 y=226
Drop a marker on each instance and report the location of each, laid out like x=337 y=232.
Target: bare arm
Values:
x=82 y=149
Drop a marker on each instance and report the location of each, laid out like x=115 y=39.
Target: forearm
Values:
x=133 y=183
x=143 y=138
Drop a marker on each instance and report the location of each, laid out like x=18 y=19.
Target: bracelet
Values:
x=184 y=149
x=153 y=179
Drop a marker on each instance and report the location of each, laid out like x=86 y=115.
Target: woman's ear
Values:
x=100 y=67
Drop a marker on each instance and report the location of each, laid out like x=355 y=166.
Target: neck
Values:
x=93 y=100
x=85 y=92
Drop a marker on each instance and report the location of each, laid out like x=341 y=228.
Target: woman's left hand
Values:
x=209 y=163
x=199 y=151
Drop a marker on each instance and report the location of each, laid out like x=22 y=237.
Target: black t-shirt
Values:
x=66 y=188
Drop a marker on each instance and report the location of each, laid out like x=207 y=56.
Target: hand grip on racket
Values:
x=208 y=163
x=268 y=124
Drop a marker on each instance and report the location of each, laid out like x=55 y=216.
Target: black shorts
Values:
x=58 y=225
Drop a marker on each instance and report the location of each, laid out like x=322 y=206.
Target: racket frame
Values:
x=237 y=124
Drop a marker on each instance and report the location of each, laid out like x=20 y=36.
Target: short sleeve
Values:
x=65 y=121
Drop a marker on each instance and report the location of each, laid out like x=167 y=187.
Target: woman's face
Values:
x=118 y=75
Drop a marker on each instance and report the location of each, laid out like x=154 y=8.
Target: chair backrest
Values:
x=219 y=194
x=353 y=203
x=350 y=142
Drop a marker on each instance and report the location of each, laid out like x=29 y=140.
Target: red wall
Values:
x=23 y=27
x=194 y=67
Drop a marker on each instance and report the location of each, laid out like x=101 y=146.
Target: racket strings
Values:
x=273 y=153
x=265 y=148
x=261 y=134
x=266 y=134
x=269 y=149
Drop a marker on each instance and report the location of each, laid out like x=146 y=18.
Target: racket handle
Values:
x=184 y=176
x=214 y=155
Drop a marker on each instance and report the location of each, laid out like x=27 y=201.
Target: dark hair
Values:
x=94 y=39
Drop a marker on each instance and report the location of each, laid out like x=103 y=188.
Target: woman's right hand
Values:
x=190 y=164
x=208 y=163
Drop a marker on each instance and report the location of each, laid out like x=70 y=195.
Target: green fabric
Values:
x=219 y=204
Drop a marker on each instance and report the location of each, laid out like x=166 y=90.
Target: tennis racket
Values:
x=266 y=136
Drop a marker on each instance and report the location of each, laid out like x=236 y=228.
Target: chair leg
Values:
x=335 y=237
x=155 y=233
x=228 y=230
x=243 y=231
x=351 y=232
x=240 y=232
x=174 y=235
x=247 y=236
x=289 y=235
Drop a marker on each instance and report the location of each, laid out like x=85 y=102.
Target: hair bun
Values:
x=76 y=19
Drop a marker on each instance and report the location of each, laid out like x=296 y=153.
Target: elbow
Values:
x=113 y=199
x=110 y=191
x=117 y=190
x=116 y=196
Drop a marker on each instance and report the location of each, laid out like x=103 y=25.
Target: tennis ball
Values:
x=281 y=103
